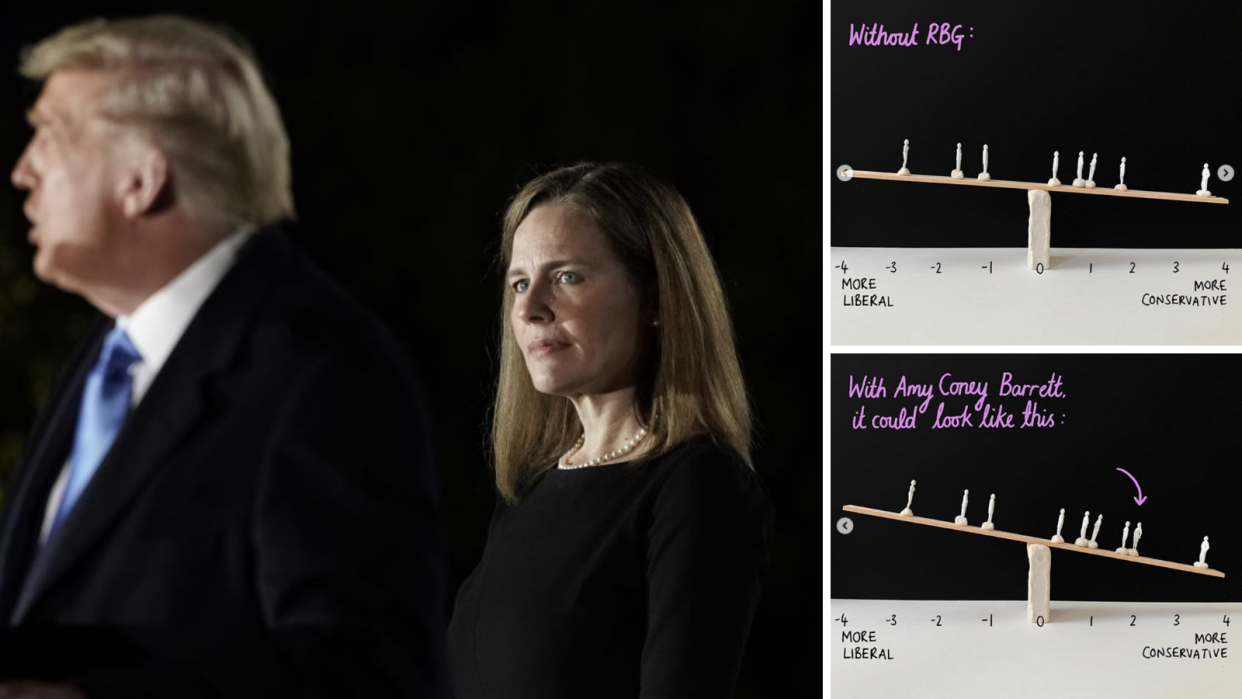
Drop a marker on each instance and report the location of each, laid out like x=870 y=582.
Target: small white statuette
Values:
x=1091 y=175
x=957 y=171
x=1056 y=165
x=984 y=176
x=991 y=508
x=1091 y=544
x=1203 y=549
x=909 y=501
x=905 y=154
x=1138 y=534
x=961 y=519
x=1082 y=535
x=1057 y=539
x=1203 y=190
x=1122 y=186
x=1125 y=533
x=1079 y=181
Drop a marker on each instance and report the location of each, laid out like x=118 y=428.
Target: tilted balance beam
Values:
x=1039 y=243
x=1039 y=554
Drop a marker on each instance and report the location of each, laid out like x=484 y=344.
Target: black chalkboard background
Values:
x=1170 y=420
x=1157 y=84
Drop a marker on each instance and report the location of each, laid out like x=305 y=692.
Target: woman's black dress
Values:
x=622 y=580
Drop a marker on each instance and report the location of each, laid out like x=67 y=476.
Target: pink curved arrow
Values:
x=1140 y=499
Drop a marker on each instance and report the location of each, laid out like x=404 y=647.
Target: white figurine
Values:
x=1203 y=549
x=1078 y=181
x=984 y=176
x=961 y=520
x=1056 y=165
x=1125 y=533
x=1138 y=534
x=909 y=501
x=1082 y=535
x=1203 y=190
x=905 y=154
x=991 y=508
x=1091 y=175
x=1122 y=186
x=1091 y=544
x=957 y=171
x=1057 y=539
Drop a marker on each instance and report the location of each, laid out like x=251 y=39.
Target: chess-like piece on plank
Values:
x=1082 y=535
x=1056 y=165
x=1203 y=190
x=957 y=170
x=984 y=176
x=991 y=508
x=961 y=519
x=1122 y=187
x=905 y=154
x=1079 y=181
x=909 y=501
x=1057 y=538
x=1091 y=544
x=1203 y=549
x=1125 y=533
x=1091 y=176
x=1138 y=534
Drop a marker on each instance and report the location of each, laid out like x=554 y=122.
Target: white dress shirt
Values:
x=156 y=326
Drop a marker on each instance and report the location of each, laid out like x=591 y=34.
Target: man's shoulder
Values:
x=301 y=308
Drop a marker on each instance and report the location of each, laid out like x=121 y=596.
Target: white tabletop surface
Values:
x=1087 y=649
x=988 y=296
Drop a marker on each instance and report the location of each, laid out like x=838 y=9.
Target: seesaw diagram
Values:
x=1039 y=199
x=1039 y=550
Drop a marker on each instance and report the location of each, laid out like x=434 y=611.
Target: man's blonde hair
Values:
x=195 y=91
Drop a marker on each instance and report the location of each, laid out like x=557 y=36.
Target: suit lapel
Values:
x=166 y=416
x=46 y=451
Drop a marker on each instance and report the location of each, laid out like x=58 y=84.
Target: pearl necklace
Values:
x=621 y=451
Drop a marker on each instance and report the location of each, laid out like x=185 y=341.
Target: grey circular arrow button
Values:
x=845 y=173
x=845 y=525
x=1225 y=173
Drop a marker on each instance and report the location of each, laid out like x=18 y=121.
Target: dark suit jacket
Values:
x=264 y=525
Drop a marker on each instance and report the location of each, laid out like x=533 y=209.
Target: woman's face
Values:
x=577 y=315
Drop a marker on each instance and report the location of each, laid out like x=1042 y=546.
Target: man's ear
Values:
x=145 y=184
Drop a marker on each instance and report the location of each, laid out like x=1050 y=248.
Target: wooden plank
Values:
x=1034 y=540
x=1010 y=184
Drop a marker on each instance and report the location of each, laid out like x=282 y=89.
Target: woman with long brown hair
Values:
x=626 y=554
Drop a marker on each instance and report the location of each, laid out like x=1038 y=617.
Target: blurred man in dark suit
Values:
x=233 y=478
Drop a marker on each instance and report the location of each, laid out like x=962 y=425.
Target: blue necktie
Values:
x=105 y=403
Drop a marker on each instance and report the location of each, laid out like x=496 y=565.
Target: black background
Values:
x=1169 y=420
x=1157 y=83
x=411 y=128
